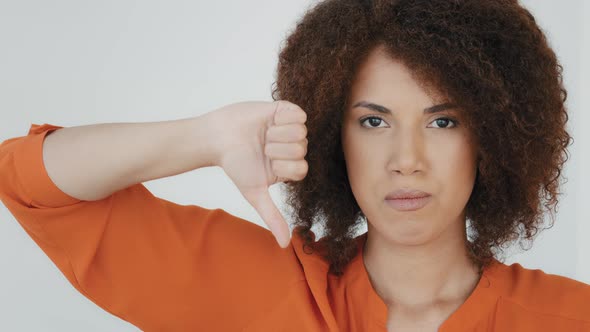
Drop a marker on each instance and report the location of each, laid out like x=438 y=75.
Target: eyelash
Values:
x=455 y=122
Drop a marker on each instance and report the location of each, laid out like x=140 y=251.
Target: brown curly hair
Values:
x=489 y=57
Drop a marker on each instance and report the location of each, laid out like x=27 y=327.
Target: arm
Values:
x=92 y=162
x=158 y=265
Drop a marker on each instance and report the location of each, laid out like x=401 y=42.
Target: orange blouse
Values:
x=167 y=267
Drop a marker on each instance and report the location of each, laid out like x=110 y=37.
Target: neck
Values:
x=421 y=276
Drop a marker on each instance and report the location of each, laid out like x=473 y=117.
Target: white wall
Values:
x=71 y=63
x=583 y=136
x=562 y=249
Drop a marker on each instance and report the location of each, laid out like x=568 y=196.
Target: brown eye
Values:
x=444 y=123
x=373 y=121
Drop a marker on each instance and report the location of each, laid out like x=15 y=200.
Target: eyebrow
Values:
x=385 y=110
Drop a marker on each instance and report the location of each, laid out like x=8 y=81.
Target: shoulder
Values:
x=538 y=294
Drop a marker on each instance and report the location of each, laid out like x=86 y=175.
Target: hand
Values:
x=263 y=143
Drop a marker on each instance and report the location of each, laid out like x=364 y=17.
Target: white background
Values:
x=72 y=63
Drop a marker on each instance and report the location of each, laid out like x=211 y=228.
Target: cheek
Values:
x=361 y=163
x=357 y=161
x=454 y=154
x=357 y=155
x=456 y=169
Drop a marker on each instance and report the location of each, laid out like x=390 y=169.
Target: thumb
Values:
x=261 y=201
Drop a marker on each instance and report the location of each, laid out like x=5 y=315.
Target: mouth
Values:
x=408 y=204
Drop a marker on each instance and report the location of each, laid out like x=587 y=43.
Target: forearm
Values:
x=91 y=162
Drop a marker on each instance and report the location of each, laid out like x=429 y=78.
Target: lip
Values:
x=406 y=193
x=408 y=204
x=408 y=199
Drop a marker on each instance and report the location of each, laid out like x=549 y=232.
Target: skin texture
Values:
x=490 y=58
x=417 y=260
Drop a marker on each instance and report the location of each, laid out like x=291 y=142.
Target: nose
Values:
x=408 y=153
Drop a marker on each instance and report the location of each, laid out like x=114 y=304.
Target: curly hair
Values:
x=489 y=57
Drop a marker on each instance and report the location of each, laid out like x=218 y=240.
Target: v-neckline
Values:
x=465 y=316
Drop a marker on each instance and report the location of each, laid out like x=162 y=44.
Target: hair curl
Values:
x=489 y=57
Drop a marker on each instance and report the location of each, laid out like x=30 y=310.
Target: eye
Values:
x=444 y=122
x=374 y=121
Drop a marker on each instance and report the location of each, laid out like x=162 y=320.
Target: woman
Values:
x=441 y=124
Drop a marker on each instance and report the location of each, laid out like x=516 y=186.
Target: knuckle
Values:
x=304 y=116
x=293 y=171
x=303 y=168
x=300 y=151
x=298 y=114
x=303 y=132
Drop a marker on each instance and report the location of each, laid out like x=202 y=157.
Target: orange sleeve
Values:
x=156 y=264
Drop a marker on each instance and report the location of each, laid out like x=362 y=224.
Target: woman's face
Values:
x=405 y=147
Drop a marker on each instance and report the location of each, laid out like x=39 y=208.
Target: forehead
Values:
x=380 y=77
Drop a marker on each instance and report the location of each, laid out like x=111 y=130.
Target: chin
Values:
x=408 y=232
